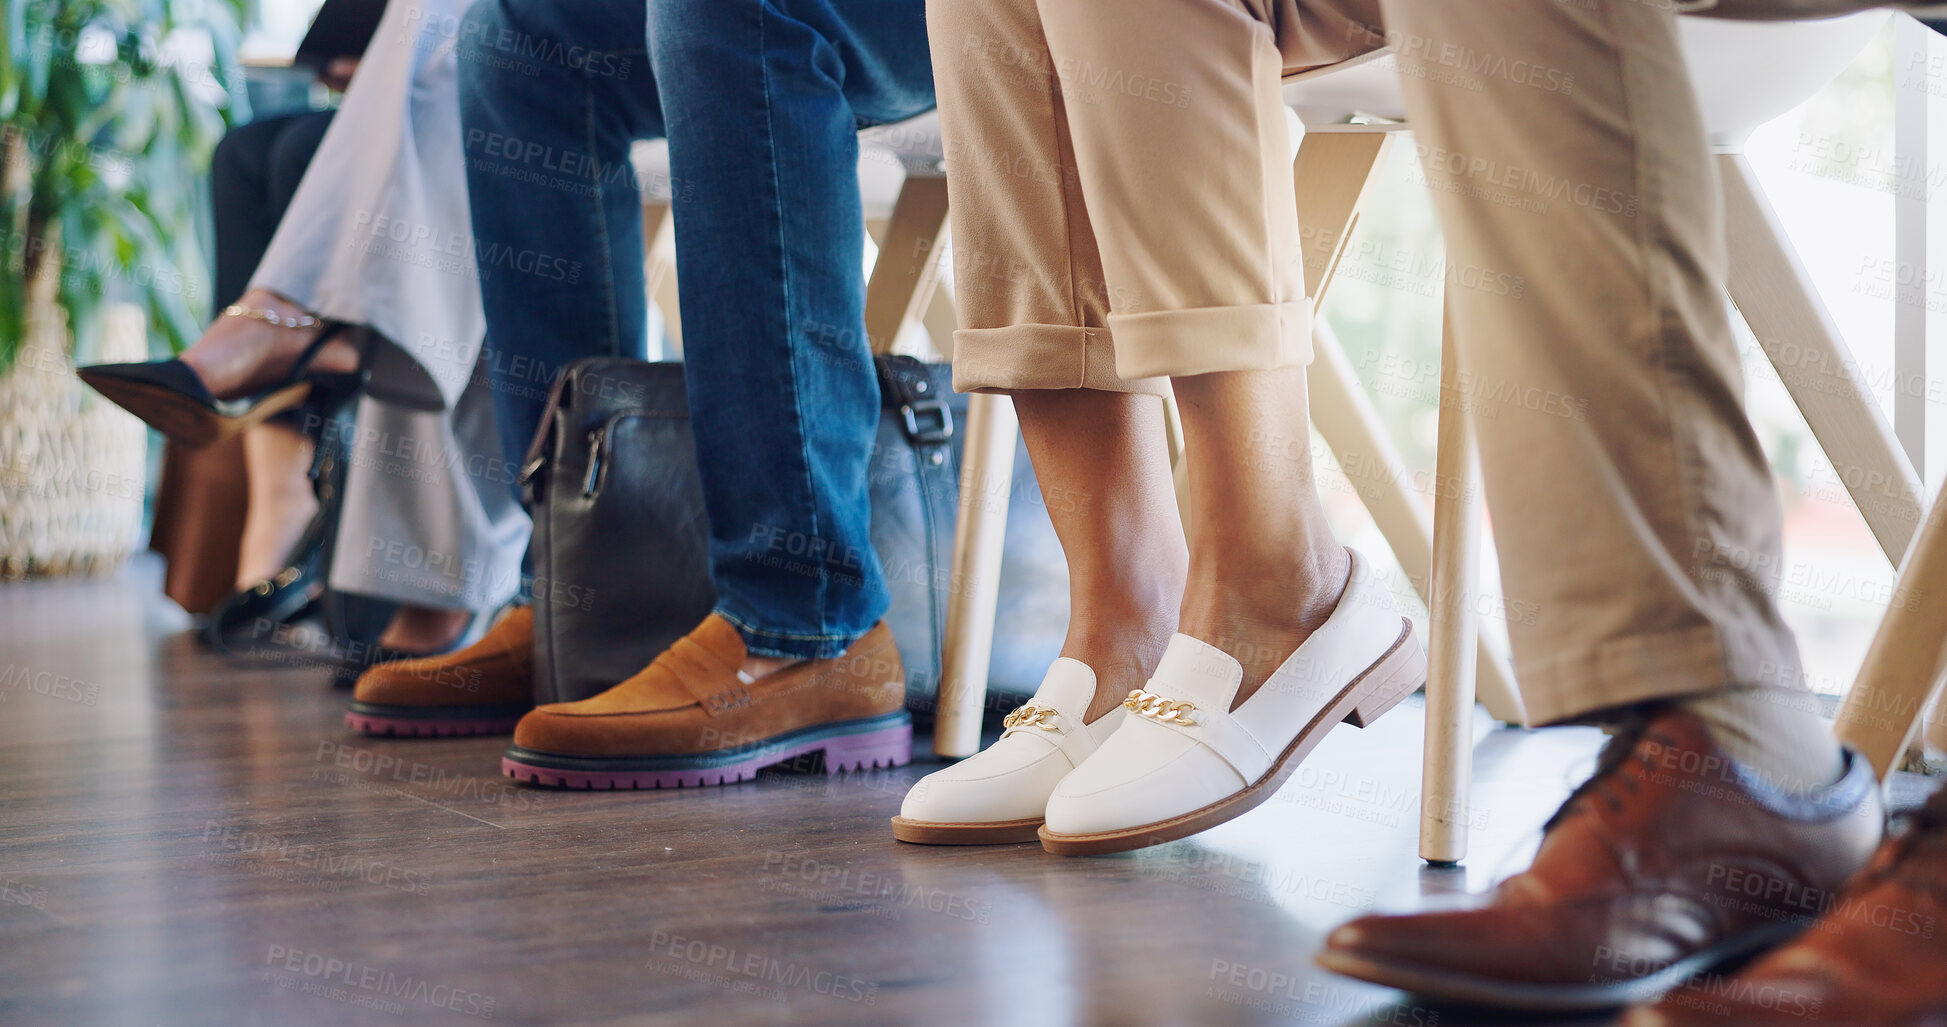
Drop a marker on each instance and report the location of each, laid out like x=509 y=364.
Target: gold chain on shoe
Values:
x=1157 y=708
x=1032 y=716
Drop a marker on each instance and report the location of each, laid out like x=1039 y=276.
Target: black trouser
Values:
x=253 y=176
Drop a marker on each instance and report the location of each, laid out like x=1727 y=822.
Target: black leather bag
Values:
x=620 y=550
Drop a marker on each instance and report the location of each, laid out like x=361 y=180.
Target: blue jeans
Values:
x=761 y=101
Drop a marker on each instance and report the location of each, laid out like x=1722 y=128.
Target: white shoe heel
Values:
x=997 y=795
x=1184 y=761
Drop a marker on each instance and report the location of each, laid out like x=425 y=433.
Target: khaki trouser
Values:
x=1122 y=211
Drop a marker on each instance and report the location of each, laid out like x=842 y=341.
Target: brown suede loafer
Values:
x=1642 y=880
x=691 y=718
x=1875 y=954
x=480 y=690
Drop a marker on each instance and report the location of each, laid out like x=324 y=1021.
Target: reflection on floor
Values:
x=186 y=840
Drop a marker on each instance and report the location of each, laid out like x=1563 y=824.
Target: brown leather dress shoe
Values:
x=1643 y=878
x=1811 y=10
x=1876 y=954
x=480 y=690
x=691 y=718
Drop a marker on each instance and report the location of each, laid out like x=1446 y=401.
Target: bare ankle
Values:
x=1122 y=660
x=237 y=355
x=1121 y=620
x=1261 y=618
x=424 y=629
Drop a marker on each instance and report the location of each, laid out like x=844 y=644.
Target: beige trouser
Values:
x=1122 y=209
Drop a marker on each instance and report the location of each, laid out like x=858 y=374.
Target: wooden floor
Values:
x=184 y=841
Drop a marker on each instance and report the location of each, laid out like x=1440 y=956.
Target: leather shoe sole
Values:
x=999 y=832
x=385 y=721
x=870 y=742
x=1473 y=989
x=183 y=419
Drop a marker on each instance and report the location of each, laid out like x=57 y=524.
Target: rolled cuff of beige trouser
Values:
x=1041 y=356
x=1645 y=668
x=1177 y=343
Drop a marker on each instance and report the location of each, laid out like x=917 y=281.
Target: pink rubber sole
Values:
x=881 y=747
x=402 y=727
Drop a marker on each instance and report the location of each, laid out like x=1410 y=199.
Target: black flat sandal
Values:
x=292 y=594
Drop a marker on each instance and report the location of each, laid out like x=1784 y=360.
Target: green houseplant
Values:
x=109 y=111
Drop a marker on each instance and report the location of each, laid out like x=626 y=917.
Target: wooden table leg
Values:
x=986 y=479
x=1446 y=776
x=1903 y=663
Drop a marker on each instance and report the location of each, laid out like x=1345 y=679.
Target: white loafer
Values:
x=997 y=794
x=1184 y=761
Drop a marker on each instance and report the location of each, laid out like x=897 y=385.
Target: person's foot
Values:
x=1122 y=638
x=283 y=500
x=237 y=356
x=1873 y=953
x=1260 y=610
x=414 y=632
x=998 y=794
x=1672 y=858
x=419 y=629
x=694 y=718
x=480 y=690
x=1189 y=756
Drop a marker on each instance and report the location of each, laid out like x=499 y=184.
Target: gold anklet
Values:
x=269 y=316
